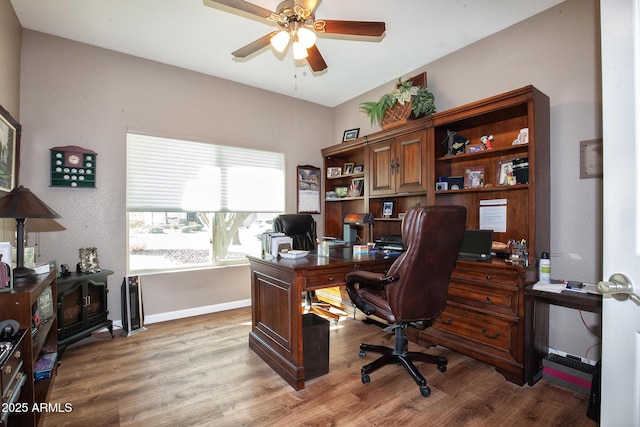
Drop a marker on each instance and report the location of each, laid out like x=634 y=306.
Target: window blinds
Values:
x=169 y=175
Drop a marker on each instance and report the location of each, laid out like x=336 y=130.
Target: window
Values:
x=194 y=204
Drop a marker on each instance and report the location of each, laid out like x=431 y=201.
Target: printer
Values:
x=391 y=242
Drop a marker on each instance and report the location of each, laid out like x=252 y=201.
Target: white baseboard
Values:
x=196 y=311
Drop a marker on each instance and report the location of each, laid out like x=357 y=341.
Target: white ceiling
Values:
x=187 y=34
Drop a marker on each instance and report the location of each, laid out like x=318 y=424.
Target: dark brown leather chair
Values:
x=414 y=290
x=300 y=227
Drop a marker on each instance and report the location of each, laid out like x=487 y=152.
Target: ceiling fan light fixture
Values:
x=306 y=37
x=280 y=41
x=299 y=51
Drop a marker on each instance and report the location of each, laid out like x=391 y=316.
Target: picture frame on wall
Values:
x=308 y=187
x=10 y=131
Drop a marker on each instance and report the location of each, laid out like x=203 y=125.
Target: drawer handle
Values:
x=446 y=322
x=7 y=370
x=331 y=279
x=484 y=332
x=488 y=277
x=489 y=298
x=17 y=354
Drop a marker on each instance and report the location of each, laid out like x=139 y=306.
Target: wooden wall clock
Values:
x=73 y=166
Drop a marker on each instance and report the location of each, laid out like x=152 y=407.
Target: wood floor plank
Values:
x=200 y=372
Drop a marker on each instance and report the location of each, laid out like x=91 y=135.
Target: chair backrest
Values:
x=300 y=227
x=432 y=236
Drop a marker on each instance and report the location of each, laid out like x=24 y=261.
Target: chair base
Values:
x=400 y=356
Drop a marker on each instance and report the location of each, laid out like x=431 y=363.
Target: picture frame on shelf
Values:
x=6 y=272
x=387 y=209
x=334 y=172
x=474 y=148
x=355 y=189
x=348 y=168
x=350 y=135
x=474 y=177
x=10 y=131
x=358 y=169
x=505 y=172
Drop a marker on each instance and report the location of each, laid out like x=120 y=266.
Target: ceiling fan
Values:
x=297 y=23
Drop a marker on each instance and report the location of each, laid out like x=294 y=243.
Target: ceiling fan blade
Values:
x=356 y=28
x=254 y=46
x=315 y=59
x=240 y=5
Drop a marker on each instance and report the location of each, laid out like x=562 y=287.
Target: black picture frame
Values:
x=350 y=135
x=309 y=183
x=10 y=131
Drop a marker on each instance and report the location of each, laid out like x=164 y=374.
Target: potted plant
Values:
x=406 y=100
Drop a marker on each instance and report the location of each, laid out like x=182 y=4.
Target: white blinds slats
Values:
x=167 y=175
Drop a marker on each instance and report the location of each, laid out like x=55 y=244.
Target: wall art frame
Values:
x=10 y=132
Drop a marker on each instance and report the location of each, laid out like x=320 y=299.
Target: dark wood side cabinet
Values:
x=485 y=313
x=82 y=306
x=21 y=305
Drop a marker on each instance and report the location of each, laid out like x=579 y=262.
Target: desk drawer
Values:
x=335 y=277
x=497 y=299
x=491 y=334
x=486 y=273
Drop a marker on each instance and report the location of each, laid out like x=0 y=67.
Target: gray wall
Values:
x=558 y=51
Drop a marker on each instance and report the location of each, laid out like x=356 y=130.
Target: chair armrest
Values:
x=365 y=279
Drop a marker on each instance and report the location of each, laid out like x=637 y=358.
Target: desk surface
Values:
x=589 y=302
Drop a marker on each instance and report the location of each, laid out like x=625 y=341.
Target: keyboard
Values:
x=572 y=363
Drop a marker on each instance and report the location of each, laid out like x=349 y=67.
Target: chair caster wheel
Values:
x=425 y=391
x=442 y=368
x=362 y=353
x=366 y=379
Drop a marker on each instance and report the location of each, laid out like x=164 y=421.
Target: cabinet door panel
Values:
x=410 y=163
x=380 y=173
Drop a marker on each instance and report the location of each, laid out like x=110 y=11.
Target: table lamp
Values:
x=21 y=204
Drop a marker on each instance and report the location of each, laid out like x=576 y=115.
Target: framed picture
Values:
x=474 y=177
x=505 y=173
x=308 y=189
x=334 y=172
x=350 y=135
x=387 y=209
x=355 y=189
x=6 y=279
x=358 y=169
x=348 y=168
x=10 y=131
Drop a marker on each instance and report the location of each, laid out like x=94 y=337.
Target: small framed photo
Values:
x=358 y=169
x=10 y=131
x=6 y=278
x=348 y=168
x=474 y=148
x=334 y=172
x=355 y=189
x=505 y=173
x=350 y=135
x=387 y=209
x=474 y=177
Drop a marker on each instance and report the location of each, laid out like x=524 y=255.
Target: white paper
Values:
x=494 y=218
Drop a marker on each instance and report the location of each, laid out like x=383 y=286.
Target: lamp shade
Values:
x=280 y=41
x=22 y=203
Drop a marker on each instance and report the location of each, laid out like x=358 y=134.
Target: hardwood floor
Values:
x=200 y=372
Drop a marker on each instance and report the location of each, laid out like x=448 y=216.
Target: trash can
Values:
x=315 y=345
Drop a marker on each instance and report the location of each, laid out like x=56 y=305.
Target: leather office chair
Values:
x=302 y=229
x=413 y=292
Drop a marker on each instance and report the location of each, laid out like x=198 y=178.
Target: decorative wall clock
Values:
x=73 y=166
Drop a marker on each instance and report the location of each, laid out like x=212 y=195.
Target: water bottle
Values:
x=545 y=268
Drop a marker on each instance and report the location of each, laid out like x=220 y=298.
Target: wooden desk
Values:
x=537 y=323
x=276 y=310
